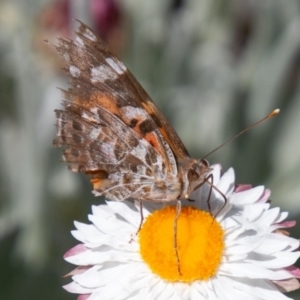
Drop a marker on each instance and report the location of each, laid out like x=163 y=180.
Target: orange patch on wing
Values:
x=107 y=102
x=100 y=184
x=97 y=99
x=99 y=179
x=151 y=137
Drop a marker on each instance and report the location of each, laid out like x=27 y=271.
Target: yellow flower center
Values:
x=199 y=243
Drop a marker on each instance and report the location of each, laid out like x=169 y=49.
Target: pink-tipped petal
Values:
x=75 y=250
x=294 y=271
x=288 y=285
x=78 y=270
x=83 y=297
x=265 y=196
x=75 y=288
x=242 y=187
x=287 y=224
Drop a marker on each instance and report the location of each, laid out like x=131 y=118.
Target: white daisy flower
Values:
x=238 y=252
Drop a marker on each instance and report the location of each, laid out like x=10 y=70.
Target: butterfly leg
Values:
x=210 y=176
x=141 y=222
x=142 y=217
x=212 y=186
x=178 y=209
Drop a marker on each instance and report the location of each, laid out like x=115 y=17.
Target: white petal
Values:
x=117 y=228
x=127 y=210
x=224 y=291
x=75 y=288
x=195 y=294
x=103 y=211
x=181 y=290
x=282 y=216
x=238 y=249
x=216 y=172
x=226 y=183
x=265 y=290
x=167 y=293
x=143 y=293
x=86 y=229
x=275 y=261
x=254 y=212
x=118 y=292
x=270 y=216
x=158 y=289
x=232 y=233
x=98 y=257
x=209 y=290
x=248 y=196
x=252 y=271
x=274 y=243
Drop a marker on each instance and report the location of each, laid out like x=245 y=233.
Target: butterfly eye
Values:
x=192 y=175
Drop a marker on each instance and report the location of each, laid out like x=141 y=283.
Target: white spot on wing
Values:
x=74 y=71
x=108 y=150
x=96 y=193
x=94 y=110
x=116 y=65
x=140 y=150
x=133 y=112
x=90 y=35
x=78 y=41
x=66 y=57
x=94 y=133
x=89 y=117
x=59 y=126
x=102 y=73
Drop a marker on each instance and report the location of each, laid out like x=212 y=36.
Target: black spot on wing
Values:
x=100 y=174
x=133 y=122
x=146 y=127
x=77 y=125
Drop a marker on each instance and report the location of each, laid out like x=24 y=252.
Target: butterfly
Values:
x=113 y=132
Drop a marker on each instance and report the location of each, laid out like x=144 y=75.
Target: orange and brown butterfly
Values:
x=114 y=133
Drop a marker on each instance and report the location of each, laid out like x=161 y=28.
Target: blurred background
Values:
x=212 y=66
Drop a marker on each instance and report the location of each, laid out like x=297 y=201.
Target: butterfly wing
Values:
x=113 y=131
x=167 y=131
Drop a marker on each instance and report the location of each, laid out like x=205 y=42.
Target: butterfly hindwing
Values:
x=117 y=162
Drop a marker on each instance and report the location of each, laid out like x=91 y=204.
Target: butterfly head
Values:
x=196 y=173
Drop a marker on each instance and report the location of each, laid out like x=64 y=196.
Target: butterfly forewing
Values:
x=112 y=130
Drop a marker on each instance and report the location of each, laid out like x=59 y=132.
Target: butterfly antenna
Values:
x=274 y=113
